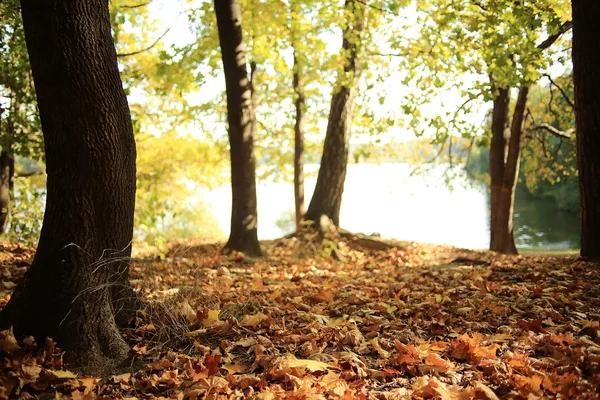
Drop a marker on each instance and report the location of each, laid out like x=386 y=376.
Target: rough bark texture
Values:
x=86 y=235
x=327 y=197
x=505 y=155
x=586 y=75
x=240 y=116
x=5 y=179
x=300 y=105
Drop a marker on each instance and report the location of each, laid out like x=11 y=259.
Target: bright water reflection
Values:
x=387 y=200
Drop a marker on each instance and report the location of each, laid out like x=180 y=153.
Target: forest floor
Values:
x=337 y=318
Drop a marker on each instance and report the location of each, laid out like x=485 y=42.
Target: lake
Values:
x=386 y=199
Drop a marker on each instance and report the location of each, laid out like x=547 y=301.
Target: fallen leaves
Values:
x=398 y=323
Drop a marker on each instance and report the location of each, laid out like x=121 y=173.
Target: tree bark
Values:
x=505 y=155
x=86 y=235
x=586 y=65
x=242 y=129
x=5 y=187
x=300 y=104
x=327 y=197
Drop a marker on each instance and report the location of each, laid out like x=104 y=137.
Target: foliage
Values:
x=27 y=210
x=20 y=131
x=171 y=168
x=470 y=48
x=549 y=163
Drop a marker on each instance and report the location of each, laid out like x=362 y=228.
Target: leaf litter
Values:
x=337 y=319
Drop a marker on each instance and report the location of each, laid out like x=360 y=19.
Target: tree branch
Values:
x=556 y=132
x=565 y=27
x=133 y=53
x=383 y=10
x=561 y=90
x=137 y=5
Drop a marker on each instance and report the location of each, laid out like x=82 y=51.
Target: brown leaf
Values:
x=8 y=342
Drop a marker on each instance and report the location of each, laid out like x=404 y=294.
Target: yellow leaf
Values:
x=237 y=368
x=195 y=333
x=253 y=320
x=275 y=295
x=310 y=365
x=212 y=318
x=62 y=374
x=336 y=322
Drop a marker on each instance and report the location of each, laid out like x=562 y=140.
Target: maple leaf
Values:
x=212 y=364
x=209 y=318
x=564 y=384
x=407 y=355
x=528 y=384
x=253 y=320
x=237 y=368
x=311 y=365
x=484 y=391
x=324 y=296
x=434 y=360
x=535 y=325
x=334 y=385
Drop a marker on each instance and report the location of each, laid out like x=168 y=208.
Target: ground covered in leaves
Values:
x=337 y=318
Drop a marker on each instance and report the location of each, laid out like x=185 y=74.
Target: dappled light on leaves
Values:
x=405 y=322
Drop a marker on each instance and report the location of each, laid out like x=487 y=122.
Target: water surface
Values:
x=386 y=199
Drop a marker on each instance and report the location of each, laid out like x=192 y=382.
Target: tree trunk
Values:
x=86 y=235
x=586 y=65
x=240 y=116
x=300 y=104
x=5 y=187
x=505 y=155
x=327 y=197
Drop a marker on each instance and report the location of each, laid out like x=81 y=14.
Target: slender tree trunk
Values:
x=327 y=198
x=300 y=105
x=85 y=241
x=586 y=75
x=5 y=183
x=240 y=116
x=497 y=162
x=505 y=155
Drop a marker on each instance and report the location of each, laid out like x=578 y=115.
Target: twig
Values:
x=133 y=53
x=561 y=90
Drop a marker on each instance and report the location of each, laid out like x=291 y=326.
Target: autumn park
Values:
x=353 y=199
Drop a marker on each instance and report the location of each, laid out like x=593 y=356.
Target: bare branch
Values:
x=387 y=54
x=364 y=3
x=556 y=132
x=133 y=53
x=561 y=90
x=137 y=5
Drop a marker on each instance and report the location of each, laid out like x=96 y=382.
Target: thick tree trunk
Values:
x=327 y=197
x=85 y=241
x=300 y=104
x=505 y=155
x=586 y=68
x=240 y=116
x=5 y=183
